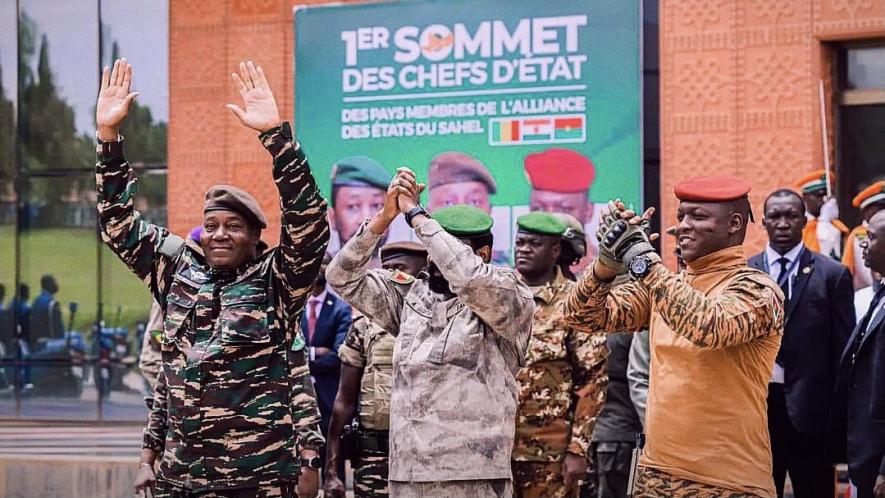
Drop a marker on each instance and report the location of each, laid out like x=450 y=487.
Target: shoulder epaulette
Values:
x=171 y=246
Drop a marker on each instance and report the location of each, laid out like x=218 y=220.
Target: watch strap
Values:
x=415 y=211
x=113 y=148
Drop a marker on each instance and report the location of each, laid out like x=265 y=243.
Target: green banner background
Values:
x=610 y=81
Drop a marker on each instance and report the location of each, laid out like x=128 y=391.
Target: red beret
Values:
x=717 y=188
x=559 y=170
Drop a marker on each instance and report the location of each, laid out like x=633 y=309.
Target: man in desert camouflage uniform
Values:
x=715 y=330
x=233 y=402
x=554 y=423
x=366 y=378
x=462 y=334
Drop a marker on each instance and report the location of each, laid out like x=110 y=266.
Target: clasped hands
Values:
x=402 y=195
x=622 y=236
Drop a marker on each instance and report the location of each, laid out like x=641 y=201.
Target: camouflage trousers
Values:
x=652 y=483
x=484 y=488
x=166 y=490
x=539 y=480
x=370 y=477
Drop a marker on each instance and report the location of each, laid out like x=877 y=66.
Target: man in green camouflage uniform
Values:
x=562 y=386
x=462 y=334
x=233 y=401
x=366 y=379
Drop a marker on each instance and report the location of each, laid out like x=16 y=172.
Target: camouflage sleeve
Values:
x=155 y=432
x=593 y=305
x=147 y=249
x=304 y=235
x=751 y=306
x=150 y=361
x=588 y=354
x=303 y=402
x=353 y=351
x=304 y=229
x=495 y=294
x=373 y=293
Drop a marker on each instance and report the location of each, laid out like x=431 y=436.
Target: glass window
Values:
x=8 y=168
x=81 y=308
x=865 y=68
x=58 y=44
x=58 y=272
x=126 y=300
x=861 y=152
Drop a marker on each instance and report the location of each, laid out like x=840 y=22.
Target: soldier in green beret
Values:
x=233 y=405
x=358 y=187
x=461 y=334
x=562 y=385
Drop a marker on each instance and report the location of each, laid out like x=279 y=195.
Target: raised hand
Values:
x=406 y=178
x=261 y=112
x=402 y=185
x=114 y=99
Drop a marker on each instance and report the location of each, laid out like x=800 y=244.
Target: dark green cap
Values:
x=360 y=171
x=540 y=223
x=463 y=220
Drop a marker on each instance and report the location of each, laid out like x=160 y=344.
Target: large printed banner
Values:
x=510 y=105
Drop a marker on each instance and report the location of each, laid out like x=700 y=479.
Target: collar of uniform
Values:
x=730 y=257
x=235 y=273
x=791 y=255
x=548 y=291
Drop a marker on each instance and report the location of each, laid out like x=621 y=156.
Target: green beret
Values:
x=540 y=223
x=573 y=235
x=463 y=220
x=360 y=171
x=229 y=198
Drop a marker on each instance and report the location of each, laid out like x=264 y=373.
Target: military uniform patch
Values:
x=401 y=277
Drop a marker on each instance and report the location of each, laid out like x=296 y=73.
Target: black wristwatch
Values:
x=415 y=211
x=640 y=266
x=286 y=130
x=109 y=149
x=310 y=462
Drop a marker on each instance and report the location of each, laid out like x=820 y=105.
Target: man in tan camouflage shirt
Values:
x=553 y=423
x=715 y=330
x=462 y=334
x=366 y=380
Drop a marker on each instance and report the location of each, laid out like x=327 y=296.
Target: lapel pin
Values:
x=806 y=270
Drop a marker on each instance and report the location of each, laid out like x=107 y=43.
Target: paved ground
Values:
x=118 y=443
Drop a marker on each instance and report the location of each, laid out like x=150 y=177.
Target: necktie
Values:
x=874 y=307
x=865 y=322
x=782 y=278
x=311 y=319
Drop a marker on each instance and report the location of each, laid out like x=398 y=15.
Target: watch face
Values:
x=639 y=265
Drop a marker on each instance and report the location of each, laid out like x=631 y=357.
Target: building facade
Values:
x=729 y=86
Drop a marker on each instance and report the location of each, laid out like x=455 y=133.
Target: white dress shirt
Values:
x=774 y=269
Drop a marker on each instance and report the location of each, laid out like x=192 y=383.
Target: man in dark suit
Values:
x=325 y=322
x=819 y=316
x=860 y=394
